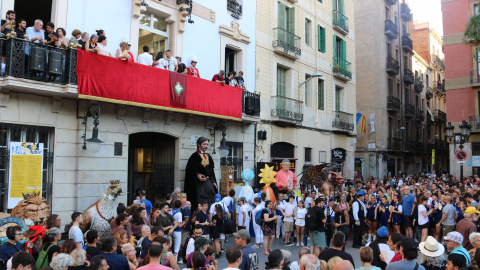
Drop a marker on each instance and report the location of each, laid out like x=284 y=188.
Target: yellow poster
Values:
x=433 y=156
x=26 y=170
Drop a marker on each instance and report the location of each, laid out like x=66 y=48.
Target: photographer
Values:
x=330 y=214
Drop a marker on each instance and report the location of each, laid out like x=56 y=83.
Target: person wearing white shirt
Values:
x=288 y=214
x=279 y=205
x=228 y=200
x=145 y=58
x=359 y=212
x=218 y=201
x=102 y=46
x=242 y=214
x=159 y=61
x=257 y=228
x=170 y=62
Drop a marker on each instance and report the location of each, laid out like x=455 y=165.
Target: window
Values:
x=389 y=49
x=387 y=13
x=308 y=155
x=281 y=81
x=321 y=39
x=235 y=8
x=339 y=5
x=427 y=83
x=286 y=20
x=307 y=32
x=390 y=87
x=340 y=52
x=235 y=159
x=321 y=95
x=475 y=9
x=337 y=100
x=404 y=29
x=399 y=94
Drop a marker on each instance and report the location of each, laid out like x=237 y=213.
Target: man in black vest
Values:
x=359 y=211
x=200 y=181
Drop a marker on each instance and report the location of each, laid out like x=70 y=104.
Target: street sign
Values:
x=460 y=162
x=461 y=155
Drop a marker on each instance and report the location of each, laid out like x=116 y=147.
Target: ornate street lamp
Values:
x=460 y=138
x=94 y=143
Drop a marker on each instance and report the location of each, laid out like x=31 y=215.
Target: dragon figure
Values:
x=324 y=177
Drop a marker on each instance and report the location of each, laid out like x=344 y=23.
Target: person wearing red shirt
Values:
x=220 y=77
x=393 y=243
x=193 y=70
x=130 y=59
x=286 y=179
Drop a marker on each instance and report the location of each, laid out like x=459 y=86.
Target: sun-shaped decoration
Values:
x=268 y=175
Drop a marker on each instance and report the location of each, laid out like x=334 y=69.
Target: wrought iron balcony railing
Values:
x=393 y=104
x=405 y=12
x=391 y=29
x=340 y=22
x=341 y=69
x=418 y=85
x=393 y=67
x=287 y=108
x=473 y=120
x=235 y=8
x=420 y=116
x=439 y=62
x=39 y=62
x=408 y=76
x=409 y=110
x=407 y=44
x=439 y=85
x=474 y=76
x=286 y=43
x=394 y=143
x=251 y=103
x=441 y=115
x=343 y=120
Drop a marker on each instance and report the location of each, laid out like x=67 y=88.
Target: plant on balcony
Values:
x=419 y=83
x=472 y=33
x=337 y=68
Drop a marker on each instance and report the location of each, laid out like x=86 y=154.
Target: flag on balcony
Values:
x=362 y=119
x=178 y=89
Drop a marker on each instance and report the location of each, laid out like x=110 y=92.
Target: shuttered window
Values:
x=321 y=95
x=321 y=39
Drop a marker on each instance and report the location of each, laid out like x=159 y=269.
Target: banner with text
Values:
x=26 y=170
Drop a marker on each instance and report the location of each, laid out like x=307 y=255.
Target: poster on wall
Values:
x=25 y=174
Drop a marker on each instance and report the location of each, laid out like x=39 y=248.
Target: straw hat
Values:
x=431 y=247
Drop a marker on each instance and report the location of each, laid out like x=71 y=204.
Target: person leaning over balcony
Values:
x=8 y=24
x=130 y=54
x=83 y=41
x=145 y=58
x=35 y=32
x=51 y=37
x=21 y=27
x=92 y=45
x=219 y=77
x=62 y=39
x=182 y=68
x=240 y=80
x=74 y=39
x=192 y=70
x=123 y=52
x=102 y=46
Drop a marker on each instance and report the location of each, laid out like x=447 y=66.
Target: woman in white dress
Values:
x=301 y=212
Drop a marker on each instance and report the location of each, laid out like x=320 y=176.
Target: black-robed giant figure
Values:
x=200 y=181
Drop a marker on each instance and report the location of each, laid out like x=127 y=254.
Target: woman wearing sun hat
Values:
x=433 y=254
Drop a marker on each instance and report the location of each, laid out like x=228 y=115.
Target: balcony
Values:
x=393 y=104
x=340 y=22
x=234 y=8
x=393 y=67
x=287 y=109
x=439 y=62
x=474 y=77
x=439 y=85
x=418 y=85
x=429 y=93
x=49 y=71
x=409 y=111
x=407 y=44
x=420 y=116
x=251 y=103
x=473 y=121
x=286 y=43
x=408 y=76
x=440 y=116
x=343 y=121
x=406 y=12
x=391 y=29
x=391 y=2
x=342 y=69
x=394 y=144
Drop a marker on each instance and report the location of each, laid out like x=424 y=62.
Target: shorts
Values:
x=447 y=229
x=300 y=222
x=288 y=226
x=317 y=239
x=407 y=221
x=424 y=226
x=397 y=222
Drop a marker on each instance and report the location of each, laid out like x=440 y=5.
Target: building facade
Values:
x=385 y=90
x=307 y=118
x=146 y=145
x=461 y=81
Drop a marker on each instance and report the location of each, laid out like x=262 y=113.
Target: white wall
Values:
x=113 y=16
x=202 y=39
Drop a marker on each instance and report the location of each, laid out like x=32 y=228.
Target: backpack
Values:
x=259 y=218
x=42 y=260
x=183 y=249
x=311 y=219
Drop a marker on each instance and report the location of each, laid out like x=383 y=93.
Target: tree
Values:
x=472 y=32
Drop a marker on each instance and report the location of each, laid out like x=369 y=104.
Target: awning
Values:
x=431 y=114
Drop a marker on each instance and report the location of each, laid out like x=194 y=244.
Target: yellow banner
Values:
x=433 y=156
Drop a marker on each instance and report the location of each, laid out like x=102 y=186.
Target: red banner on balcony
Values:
x=113 y=80
x=178 y=89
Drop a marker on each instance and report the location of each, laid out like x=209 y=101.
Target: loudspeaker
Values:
x=37 y=58
x=249 y=104
x=55 y=63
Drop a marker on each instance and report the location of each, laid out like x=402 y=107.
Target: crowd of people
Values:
x=97 y=43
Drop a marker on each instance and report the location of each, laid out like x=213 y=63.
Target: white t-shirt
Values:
x=103 y=50
x=294 y=266
x=243 y=209
x=288 y=210
x=76 y=234
x=301 y=213
x=255 y=210
x=178 y=217
x=145 y=59
x=170 y=63
x=161 y=64
x=308 y=201
x=190 y=246
x=421 y=219
x=212 y=208
x=227 y=201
